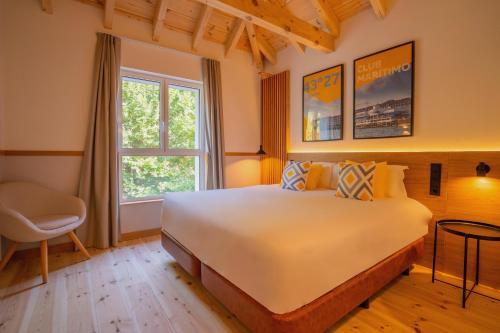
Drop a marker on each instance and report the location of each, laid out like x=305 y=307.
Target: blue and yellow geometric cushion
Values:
x=295 y=175
x=356 y=181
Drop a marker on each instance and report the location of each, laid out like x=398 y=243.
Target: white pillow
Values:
x=329 y=175
x=395 y=181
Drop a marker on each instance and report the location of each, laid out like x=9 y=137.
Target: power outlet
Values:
x=435 y=181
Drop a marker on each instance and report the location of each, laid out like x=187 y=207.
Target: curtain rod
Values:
x=188 y=51
x=172 y=77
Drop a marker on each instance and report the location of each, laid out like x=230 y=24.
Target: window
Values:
x=160 y=145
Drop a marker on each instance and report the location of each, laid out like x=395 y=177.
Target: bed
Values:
x=285 y=261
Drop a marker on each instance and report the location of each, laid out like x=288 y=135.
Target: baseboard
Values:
x=140 y=234
x=35 y=252
x=69 y=246
x=457 y=282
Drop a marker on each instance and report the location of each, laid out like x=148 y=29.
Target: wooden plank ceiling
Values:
x=261 y=27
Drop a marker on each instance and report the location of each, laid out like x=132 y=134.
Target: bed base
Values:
x=183 y=256
x=316 y=316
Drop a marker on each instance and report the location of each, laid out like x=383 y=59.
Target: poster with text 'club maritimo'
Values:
x=383 y=93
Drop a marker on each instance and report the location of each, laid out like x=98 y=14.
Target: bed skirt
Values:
x=316 y=316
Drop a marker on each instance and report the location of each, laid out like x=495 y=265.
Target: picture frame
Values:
x=383 y=93
x=323 y=105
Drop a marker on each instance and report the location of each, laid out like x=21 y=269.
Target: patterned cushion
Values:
x=379 y=179
x=356 y=181
x=295 y=175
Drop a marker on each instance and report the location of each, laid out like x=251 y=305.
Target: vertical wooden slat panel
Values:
x=275 y=106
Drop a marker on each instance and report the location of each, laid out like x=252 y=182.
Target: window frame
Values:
x=164 y=150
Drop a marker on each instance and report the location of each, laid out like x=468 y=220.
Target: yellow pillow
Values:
x=314 y=176
x=379 y=179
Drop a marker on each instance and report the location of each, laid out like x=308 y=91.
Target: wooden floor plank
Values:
x=138 y=287
x=167 y=294
x=81 y=314
x=60 y=313
x=14 y=310
x=147 y=310
x=109 y=302
x=42 y=315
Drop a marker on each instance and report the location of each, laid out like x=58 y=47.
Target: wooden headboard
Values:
x=463 y=195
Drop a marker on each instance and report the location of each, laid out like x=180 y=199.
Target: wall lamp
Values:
x=261 y=151
x=482 y=169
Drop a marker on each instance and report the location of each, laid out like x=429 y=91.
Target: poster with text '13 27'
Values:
x=322 y=108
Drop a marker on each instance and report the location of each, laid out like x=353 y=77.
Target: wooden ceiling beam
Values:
x=297 y=46
x=267 y=49
x=235 y=35
x=276 y=19
x=257 y=59
x=159 y=18
x=109 y=11
x=201 y=25
x=379 y=7
x=327 y=15
x=48 y=6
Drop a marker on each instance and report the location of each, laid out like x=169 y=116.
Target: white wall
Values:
x=457 y=79
x=47 y=61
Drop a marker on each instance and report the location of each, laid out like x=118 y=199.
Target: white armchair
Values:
x=32 y=213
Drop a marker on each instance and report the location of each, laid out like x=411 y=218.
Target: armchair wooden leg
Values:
x=44 y=260
x=78 y=244
x=8 y=255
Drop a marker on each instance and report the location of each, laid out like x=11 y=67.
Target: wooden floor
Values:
x=138 y=288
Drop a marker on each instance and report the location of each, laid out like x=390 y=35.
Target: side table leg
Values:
x=434 y=255
x=477 y=261
x=464 y=287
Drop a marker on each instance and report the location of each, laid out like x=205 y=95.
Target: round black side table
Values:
x=467 y=229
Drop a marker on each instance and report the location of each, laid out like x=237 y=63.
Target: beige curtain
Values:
x=99 y=171
x=214 y=132
x=275 y=109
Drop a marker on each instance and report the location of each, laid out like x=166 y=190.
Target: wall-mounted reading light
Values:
x=482 y=169
x=261 y=151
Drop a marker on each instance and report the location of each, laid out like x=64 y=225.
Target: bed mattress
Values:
x=285 y=248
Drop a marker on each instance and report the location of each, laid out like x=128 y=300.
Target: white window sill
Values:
x=139 y=201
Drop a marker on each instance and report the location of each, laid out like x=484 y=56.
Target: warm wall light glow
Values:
x=313 y=149
x=483 y=182
x=477 y=187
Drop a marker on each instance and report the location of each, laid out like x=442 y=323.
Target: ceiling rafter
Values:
x=277 y=19
x=109 y=11
x=298 y=47
x=379 y=7
x=235 y=36
x=48 y=6
x=267 y=49
x=201 y=25
x=159 y=18
x=327 y=15
x=257 y=59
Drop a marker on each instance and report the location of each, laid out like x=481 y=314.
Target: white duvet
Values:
x=285 y=248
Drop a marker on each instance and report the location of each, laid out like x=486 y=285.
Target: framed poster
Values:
x=383 y=93
x=323 y=105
